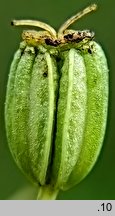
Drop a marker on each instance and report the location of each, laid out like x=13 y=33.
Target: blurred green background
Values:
x=100 y=183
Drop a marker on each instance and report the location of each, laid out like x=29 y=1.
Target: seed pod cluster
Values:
x=56 y=105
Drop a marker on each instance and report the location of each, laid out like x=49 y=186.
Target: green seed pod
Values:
x=56 y=105
x=94 y=123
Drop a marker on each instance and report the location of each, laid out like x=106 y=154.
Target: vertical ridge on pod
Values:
x=41 y=116
x=10 y=95
x=97 y=104
x=70 y=116
x=19 y=112
x=53 y=84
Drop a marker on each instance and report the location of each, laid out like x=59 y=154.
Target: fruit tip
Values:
x=12 y=22
x=94 y=6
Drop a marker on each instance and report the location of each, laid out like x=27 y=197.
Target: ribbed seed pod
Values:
x=29 y=111
x=43 y=91
x=95 y=110
x=56 y=105
x=96 y=118
x=16 y=110
x=70 y=115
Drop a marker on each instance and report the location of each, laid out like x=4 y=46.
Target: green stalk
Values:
x=47 y=193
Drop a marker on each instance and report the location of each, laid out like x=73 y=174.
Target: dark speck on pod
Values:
x=45 y=74
x=22 y=52
x=36 y=51
x=89 y=51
